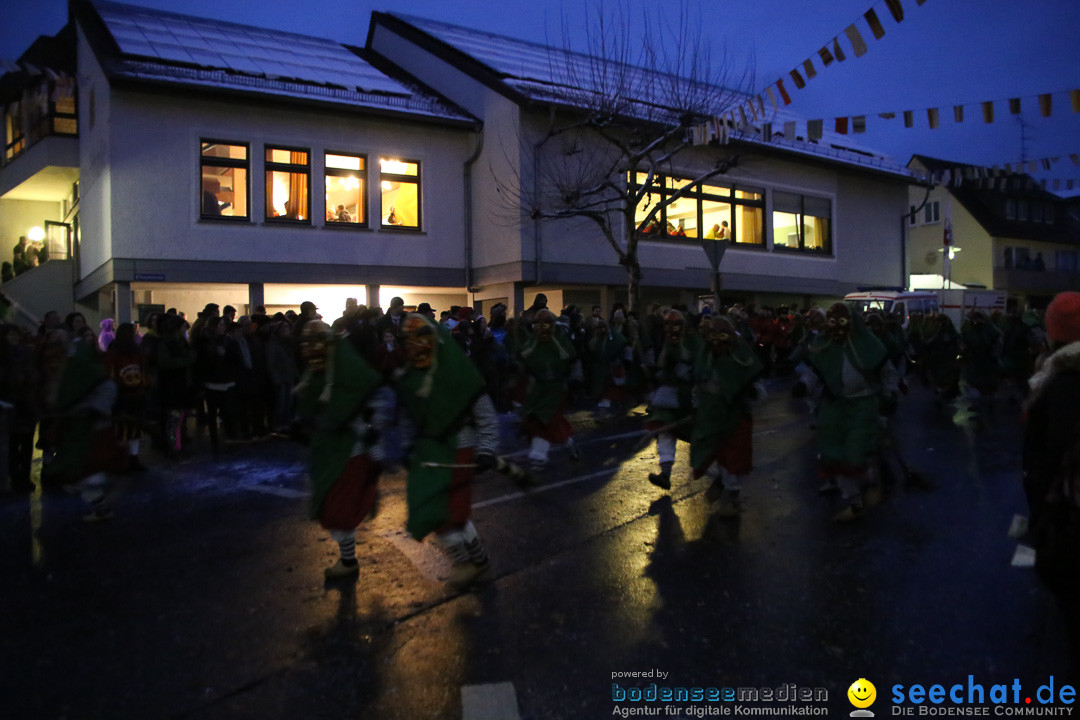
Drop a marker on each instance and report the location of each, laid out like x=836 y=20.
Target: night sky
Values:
x=943 y=53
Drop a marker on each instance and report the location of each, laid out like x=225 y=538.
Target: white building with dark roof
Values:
x=226 y=163
x=811 y=220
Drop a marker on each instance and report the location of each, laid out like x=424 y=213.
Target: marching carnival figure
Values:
x=671 y=408
x=452 y=432
x=80 y=397
x=850 y=370
x=722 y=434
x=548 y=360
x=338 y=401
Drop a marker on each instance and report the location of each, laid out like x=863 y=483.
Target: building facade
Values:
x=1007 y=233
x=226 y=163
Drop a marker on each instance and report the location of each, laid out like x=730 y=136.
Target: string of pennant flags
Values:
x=752 y=119
x=833 y=52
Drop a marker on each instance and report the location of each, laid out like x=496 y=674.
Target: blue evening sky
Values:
x=944 y=53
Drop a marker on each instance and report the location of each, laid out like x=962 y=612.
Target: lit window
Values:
x=224 y=183
x=802 y=223
x=399 y=188
x=287 y=187
x=346 y=189
x=711 y=212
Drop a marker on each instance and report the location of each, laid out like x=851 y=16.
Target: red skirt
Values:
x=352 y=498
x=735 y=453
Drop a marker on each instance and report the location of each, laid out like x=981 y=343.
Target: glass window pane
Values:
x=286 y=195
x=785 y=230
x=398 y=167
x=750 y=194
x=682 y=218
x=236 y=152
x=400 y=203
x=750 y=228
x=716 y=219
x=280 y=155
x=224 y=192
x=712 y=189
x=344 y=199
x=643 y=209
x=817 y=233
x=345 y=162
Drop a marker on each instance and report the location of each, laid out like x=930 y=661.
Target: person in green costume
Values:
x=548 y=359
x=721 y=438
x=339 y=403
x=940 y=344
x=607 y=376
x=452 y=432
x=850 y=369
x=80 y=396
x=980 y=347
x=671 y=407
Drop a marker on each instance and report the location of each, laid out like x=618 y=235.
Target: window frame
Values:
x=270 y=166
x=665 y=184
x=801 y=215
x=211 y=161
x=401 y=178
x=364 y=189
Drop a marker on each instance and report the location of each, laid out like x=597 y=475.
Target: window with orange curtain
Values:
x=288 y=187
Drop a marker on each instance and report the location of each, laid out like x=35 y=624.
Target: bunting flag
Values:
x=932 y=117
x=874 y=23
x=958 y=113
x=837 y=51
x=832 y=51
x=1014 y=106
x=1045 y=104
x=858 y=45
x=988 y=112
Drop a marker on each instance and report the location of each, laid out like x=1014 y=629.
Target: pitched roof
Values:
x=158 y=46
x=529 y=71
x=986 y=204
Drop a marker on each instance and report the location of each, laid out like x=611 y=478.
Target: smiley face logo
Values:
x=862 y=693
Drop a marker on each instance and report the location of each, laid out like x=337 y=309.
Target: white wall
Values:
x=155 y=183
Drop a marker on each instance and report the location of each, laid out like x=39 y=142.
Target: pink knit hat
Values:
x=1063 y=318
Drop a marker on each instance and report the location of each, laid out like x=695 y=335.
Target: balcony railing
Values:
x=46 y=108
x=1043 y=282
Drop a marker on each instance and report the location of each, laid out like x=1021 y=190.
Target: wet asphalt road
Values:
x=204 y=598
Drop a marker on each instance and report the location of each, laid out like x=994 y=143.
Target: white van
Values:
x=894 y=301
x=955 y=303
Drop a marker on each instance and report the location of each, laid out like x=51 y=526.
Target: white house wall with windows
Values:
x=1007 y=233
x=810 y=221
x=253 y=167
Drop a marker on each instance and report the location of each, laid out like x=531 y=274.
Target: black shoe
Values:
x=661 y=480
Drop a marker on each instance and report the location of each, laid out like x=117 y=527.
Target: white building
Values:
x=225 y=163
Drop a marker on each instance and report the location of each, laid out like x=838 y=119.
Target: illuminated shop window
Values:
x=399 y=187
x=288 y=198
x=224 y=188
x=346 y=189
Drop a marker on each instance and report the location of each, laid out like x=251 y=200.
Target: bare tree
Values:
x=619 y=114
